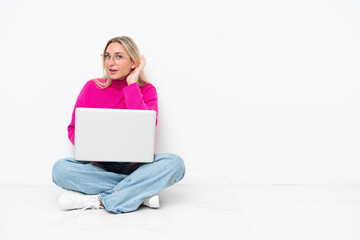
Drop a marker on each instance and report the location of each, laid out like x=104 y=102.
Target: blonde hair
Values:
x=130 y=47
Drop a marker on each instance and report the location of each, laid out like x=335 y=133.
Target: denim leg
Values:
x=84 y=176
x=148 y=180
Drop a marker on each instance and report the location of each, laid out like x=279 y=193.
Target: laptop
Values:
x=114 y=135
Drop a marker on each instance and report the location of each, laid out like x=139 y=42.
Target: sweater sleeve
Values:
x=144 y=98
x=79 y=103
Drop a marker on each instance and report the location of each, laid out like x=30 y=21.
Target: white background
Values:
x=246 y=88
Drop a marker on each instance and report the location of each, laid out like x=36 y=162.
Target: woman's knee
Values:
x=174 y=162
x=178 y=162
x=60 y=169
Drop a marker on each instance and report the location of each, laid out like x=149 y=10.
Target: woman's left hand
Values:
x=133 y=77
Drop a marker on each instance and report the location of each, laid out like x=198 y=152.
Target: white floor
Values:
x=191 y=211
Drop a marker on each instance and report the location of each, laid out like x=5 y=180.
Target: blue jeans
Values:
x=122 y=187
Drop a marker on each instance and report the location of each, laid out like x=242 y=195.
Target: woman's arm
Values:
x=144 y=98
x=71 y=128
x=79 y=103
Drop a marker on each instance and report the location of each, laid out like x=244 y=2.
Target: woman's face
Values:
x=117 y=61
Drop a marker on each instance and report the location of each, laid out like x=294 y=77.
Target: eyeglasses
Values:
x=118 y=58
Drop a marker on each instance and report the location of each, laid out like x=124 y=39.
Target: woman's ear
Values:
x=133 y=66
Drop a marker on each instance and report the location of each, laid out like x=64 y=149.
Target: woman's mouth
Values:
x=112 y=71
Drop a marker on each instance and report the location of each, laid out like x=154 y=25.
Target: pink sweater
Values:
x=118 y=95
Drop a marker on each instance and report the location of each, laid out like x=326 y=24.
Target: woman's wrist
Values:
x=129 y=82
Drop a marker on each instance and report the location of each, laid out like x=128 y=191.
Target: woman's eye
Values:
x=119 y=57
x=107 y=56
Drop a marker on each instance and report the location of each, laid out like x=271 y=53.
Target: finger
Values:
x=142 y=62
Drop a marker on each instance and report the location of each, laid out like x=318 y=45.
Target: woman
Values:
x=117 y=187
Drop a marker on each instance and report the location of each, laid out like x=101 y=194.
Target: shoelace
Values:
x=90 y=202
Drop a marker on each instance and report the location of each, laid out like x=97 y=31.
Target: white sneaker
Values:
x=75 y=200
x=152 y=202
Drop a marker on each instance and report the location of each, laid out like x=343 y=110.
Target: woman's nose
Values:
x=112 y=61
